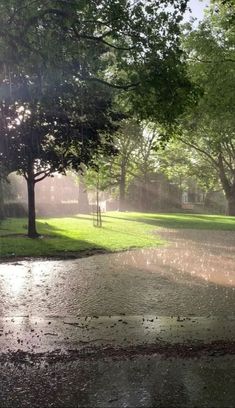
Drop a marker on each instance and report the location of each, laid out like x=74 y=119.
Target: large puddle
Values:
x=194 y=275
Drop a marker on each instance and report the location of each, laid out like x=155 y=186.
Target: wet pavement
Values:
x=152 y=327
x=140 y=382
x=117 y=361
x=194 y=275
x=42 y=335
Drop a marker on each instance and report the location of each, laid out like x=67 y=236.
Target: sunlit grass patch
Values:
x=174 y=220
x=120 y=231
x=61 y=236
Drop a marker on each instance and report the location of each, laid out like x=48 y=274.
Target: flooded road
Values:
x=193 y=275
x=151 y=328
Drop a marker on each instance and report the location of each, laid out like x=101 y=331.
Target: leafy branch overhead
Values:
x=67 y=69
x=131 y=46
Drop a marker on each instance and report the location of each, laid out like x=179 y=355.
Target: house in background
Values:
x=55 y=196
x=66 y=195
x=160 y=194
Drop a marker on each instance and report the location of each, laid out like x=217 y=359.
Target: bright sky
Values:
x=197 y=8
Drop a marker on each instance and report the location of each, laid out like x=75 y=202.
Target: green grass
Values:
x=120 y=231
x=189 y=221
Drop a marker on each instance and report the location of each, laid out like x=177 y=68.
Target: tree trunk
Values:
x=231 y=205
x=83 y=202
x=32 y=232
x=144 y=197
x=2 y=212
x=122 y=188
x=229 y=188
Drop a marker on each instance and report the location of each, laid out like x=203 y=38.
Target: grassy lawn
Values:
x=120 y=231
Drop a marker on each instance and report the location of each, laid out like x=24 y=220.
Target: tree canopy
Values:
x=131 y=46
x=209 y=127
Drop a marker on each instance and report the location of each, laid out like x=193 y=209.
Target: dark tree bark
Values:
x=231 y=205
x=122 y=187
x=228 y=187
x=32 y=231
x=2 y=212
x=83 y=202
x=144 y=197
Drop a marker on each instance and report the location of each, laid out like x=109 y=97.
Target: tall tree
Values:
x=184 y=166
x=116 y=172
x=145 y=163
x=3 y=180
x=48 y=137
x=127 y=143
x=209 y=128
x=135 y=160
x=1 y=200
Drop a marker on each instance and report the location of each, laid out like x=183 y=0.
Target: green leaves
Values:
x=66 y=62
x=208 y=128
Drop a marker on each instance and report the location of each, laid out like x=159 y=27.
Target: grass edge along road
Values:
x=120 y=231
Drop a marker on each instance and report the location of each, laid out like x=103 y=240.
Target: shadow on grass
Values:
x=90 y=218
x=182 y=221
x=85 y=217
x=53 y=242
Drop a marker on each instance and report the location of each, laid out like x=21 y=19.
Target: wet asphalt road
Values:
x=193 y=276
x=138 y=382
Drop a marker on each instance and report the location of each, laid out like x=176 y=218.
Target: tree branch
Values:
x=46 y=174
x=25 y=176
x=196 y=59
x=116 y=86
x=199 y=150
x=100 y=39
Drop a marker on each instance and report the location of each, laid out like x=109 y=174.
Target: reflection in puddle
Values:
x=192 y=275
x=175 y=264
x=13 y=279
